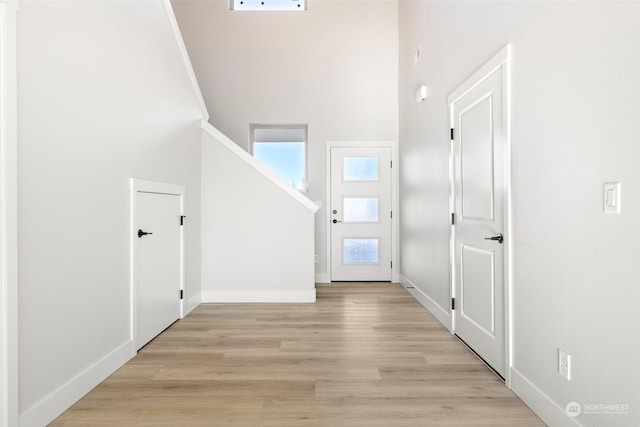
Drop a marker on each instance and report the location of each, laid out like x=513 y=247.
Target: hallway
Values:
x=364 y=355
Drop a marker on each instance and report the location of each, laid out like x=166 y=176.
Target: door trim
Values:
x=8 y=219
x=143 y=186
x=395 y=244
x=501 y=60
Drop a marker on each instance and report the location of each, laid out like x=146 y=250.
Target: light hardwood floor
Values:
x=364 y=355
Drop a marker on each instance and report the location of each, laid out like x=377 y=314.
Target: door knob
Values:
x=499 y=238
x=335 y=221
x=142 y=233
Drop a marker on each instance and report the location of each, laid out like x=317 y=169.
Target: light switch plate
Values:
x=611 y=197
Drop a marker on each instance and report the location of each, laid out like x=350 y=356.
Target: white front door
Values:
x=480 y=156
x=360 y=214
x=159 y=283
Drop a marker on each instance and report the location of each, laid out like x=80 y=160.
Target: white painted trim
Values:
x=268 y=173
x=395 y=200
x=544 y=407
x=508 y=225
x=258 y=296
x=501 y=60
x=156 y=187
x=8 y=218
x=443 y=316
x=192 y=303
x=144 y=186
x=185 y=57
x=322 y=278
x=58 y=401
x=481 y=74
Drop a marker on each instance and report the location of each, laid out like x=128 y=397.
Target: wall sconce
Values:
x=422 y=93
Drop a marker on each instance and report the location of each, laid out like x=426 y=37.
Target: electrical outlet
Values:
x=612 y=193
x=564 y=365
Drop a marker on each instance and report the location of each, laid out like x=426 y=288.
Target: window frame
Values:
x=302 y=6
x=261 y=126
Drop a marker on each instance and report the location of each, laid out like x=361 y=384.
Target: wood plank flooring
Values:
x=363 y=355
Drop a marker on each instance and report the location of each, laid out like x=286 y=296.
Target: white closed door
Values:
x=360 y=217
x=158 y=237
x=479 y=129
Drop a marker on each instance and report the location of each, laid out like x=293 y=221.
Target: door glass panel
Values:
x=360 y=251
x=360 y=169
x=360 y=209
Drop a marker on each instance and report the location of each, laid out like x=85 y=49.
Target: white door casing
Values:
x=157 y=273
x=361 y=231
x=8 y=218
x=479 y=114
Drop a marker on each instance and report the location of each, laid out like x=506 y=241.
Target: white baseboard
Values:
x=258 y=296
x=433 y=307
x=543 y=406
x=50 y=407
x=322 y=278
x=192 y=303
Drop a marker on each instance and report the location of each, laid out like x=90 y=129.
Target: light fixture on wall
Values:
x=422 y=93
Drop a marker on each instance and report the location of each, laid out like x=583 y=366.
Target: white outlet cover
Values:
x=611 y=197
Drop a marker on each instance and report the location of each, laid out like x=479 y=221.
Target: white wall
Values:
x=257 y=238
x=333 y=67
x=576 y=102
x=103 y=96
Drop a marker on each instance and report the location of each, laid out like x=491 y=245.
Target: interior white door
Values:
x=158 y=263
x=360 y=214
x=479 y=190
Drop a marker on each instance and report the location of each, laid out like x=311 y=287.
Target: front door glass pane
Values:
x=360 y=169
x=360 y=251
x=360 y=209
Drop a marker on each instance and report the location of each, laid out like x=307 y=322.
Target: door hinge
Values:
x=391 y=264
x=453 y=303
x=181 y=294
x=452 y=134
x=391 y=163
x=391 y=214
x=453 y=218
x=182 y=217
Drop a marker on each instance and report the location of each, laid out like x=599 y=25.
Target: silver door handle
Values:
x=335 y=221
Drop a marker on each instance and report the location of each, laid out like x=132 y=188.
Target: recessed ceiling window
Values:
x=283 y=149
x=268 y=4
